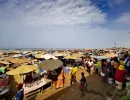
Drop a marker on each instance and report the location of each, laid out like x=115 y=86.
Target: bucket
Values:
x=102 y=74
x=110 y=81
x=127 y=84
x=119 y=85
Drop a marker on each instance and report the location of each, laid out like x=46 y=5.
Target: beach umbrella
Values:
x=110 y=55
x=60 y=54
x=77 y=55
x=16 y=60
x=4 y=62
x=50 y=64
x=26 y=52
x=68 y=56
x=22 y=70
x=92 y=56
x=34 y=53
x=39 y=56
x=74 y=56
x=49 y=56
x=1 y=53
x=29 y=53
x=26 y=60
x=17 y=55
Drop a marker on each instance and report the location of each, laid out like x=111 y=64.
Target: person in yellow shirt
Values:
x=74 y=70
x=122 y=62
x=99 y=66
x=73 y=76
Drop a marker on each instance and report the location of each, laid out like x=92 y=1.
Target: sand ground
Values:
x=97 y=90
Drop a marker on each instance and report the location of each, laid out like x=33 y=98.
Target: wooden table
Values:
x=36 y=88
x=5 y=92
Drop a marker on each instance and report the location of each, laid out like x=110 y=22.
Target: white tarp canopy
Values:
x=60 y=54
x=49 y=56
x=1 y=53
x=17 y=55
x=25 y=52
x=39 y=56
x=101 y=57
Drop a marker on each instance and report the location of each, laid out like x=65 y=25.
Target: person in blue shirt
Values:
x=127 y=64
x=41 y=71
x=66 y=70
x=20 y=94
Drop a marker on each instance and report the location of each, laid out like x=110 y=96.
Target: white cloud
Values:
x=53 y=12
x=124 y=18
x=65 y=16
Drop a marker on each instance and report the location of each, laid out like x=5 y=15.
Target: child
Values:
x=83 y=83
x=73 y=79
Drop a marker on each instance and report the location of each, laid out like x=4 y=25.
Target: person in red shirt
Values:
x=120 y=76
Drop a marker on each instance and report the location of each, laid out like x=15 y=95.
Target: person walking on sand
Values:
x=83 y=84
x=60 y=81
x=73 y=76
x=127 y=64
x=103 y=71
x=99 y=66
x=88 y=67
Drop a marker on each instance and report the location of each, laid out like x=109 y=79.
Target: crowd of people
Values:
x=114 y=70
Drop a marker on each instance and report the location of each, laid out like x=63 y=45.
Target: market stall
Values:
x=4 y=63
x=4 y=92
x=4 y=83
x=53 y=68
x=25 y=70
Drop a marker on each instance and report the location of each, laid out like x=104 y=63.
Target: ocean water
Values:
x=8 y=50
x=29 y=49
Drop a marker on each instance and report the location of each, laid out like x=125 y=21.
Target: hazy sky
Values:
x=64 y=23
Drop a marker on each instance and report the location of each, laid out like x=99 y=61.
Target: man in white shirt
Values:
x=90 y=63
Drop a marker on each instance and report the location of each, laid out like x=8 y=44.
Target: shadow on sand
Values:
x=95 y=88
